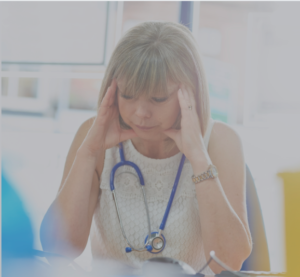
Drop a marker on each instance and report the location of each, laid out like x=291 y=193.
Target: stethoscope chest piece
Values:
x=157 y=241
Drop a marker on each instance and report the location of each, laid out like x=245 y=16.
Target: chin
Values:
x=157 y=136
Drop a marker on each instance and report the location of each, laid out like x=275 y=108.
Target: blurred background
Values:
x=53 y=59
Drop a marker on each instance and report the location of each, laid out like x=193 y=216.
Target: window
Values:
x=48 y=47
x=53 y=32
x=272 y=63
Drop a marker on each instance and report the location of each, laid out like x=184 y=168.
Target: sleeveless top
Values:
x=183 y=228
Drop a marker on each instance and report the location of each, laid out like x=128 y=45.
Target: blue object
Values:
x=259 y=258
x=121 y=163
x=156 y=243
x=164 y=240
x=186 y=14
x=163 y=223
x=149 y=247
x=17 y=234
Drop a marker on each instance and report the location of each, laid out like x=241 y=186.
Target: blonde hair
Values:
x=153 y=53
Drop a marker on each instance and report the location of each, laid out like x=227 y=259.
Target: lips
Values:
x=144 y=127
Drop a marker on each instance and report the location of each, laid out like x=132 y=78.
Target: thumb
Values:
x=172 y=133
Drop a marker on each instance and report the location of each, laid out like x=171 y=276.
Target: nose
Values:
x=143 y=109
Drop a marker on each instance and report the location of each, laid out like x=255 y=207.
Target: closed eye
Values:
x=126 y=96
x=159 y=99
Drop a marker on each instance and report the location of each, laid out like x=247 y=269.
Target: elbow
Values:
x=56 y=240
x=62 y=250
x=238 y=263
x=240 y=256
x=61 y=246
x=62 y=255
x=241 y=253
x=234 y=260
x=244 y=254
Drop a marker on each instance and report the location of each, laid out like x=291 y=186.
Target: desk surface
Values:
x=250 y=273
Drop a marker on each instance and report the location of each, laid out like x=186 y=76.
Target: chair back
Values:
x=259 y=257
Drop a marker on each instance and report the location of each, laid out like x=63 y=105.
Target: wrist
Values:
x=200 y=162
x=210 y=173
x=88 y=154
x=200 y=167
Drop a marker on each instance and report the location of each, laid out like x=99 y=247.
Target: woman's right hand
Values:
x=106 y=131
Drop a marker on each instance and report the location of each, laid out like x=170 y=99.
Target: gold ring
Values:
x=190 y=108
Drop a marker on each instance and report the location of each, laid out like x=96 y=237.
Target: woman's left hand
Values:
x=189 y=139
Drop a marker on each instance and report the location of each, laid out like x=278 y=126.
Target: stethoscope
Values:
x=155 y=242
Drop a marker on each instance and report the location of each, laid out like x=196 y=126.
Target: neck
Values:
x=154 y=149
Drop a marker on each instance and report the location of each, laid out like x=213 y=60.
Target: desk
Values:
x=251 y=274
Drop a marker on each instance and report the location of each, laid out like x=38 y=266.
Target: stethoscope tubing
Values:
x=112 y=175
x=141 y=178
x=112 y=187
x=164 y=221
x=121 y=224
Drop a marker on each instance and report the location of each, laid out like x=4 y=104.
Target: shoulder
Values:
x=81 y=133
x=85 y=127
x=222 y=134
x=77 y=141
x=225 y=143
x=79 y=138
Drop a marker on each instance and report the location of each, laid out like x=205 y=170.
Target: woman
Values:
x=153 y=99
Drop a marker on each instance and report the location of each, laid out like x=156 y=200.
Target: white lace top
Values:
x=182 y=230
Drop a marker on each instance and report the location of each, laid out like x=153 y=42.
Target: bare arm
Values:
x=66 y=226
x=221 y=201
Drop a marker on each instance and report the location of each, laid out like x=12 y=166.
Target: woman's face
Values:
x=149 y=117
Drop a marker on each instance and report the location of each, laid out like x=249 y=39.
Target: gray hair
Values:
x=153 y=53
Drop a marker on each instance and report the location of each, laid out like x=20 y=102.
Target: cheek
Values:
x=170 y=112
x=124 y=107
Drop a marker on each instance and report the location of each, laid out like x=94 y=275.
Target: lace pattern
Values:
x=182 y=231
x=162 y=172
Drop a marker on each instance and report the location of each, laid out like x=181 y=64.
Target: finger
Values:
x=113 y=88
x=184 y=94
x=106 y=98
x=189 y=116
x=183 y=101
x=189 y=96
x=107 y=101
x=181 y=98
x=172 y=133
x=109 y=96
x=127 y=134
